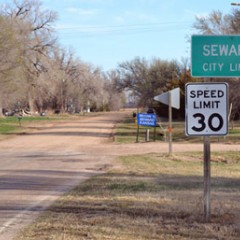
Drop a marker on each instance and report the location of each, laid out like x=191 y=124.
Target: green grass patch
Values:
x=154 y=196
x=6 y=128
x=10 y=126
x=13 y=124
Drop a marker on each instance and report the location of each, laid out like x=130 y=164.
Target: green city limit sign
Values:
x=215 y=56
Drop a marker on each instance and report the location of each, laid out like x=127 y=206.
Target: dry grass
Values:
x=149 y=197
x=126 y=132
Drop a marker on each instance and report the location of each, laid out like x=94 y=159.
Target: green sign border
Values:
x=219 y=65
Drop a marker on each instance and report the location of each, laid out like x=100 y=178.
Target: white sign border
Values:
x=187 y=112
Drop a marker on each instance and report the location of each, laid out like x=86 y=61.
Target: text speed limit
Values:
x=206 y=109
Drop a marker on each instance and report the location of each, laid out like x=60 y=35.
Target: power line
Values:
x=124 y=26
x=91 y=31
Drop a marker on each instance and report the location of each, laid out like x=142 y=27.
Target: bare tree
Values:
x=9 y=58
x=35 y=38
x=115 y=96
x=91 y=88
x=215 y=23
x=146 y=79
x=235 y=21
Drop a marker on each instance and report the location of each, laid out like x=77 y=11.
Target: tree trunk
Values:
x=31 y=100
x=1 y=110
x=1 y=106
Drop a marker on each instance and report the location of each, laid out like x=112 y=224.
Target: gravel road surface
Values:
x=38 y=167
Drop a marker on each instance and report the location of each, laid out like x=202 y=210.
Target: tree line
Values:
x=38 y=74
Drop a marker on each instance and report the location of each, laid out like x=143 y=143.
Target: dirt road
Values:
x=38 y=167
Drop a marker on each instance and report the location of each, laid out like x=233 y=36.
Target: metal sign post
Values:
x=170 y=121
x=137 y=133
x=207 y=179
x=172 y=99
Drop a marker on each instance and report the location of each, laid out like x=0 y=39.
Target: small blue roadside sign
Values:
x=145 y=119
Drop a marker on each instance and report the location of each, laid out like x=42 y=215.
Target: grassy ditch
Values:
x=148 y=197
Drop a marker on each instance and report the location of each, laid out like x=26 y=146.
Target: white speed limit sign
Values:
x=206 y=109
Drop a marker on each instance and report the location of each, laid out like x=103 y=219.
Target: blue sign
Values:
x=145 y=119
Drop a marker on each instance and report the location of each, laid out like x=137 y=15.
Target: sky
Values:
x=106 y=33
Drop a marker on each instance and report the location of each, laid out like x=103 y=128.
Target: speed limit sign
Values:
x=206 y=109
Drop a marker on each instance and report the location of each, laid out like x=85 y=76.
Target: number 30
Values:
x=202 y=122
